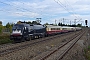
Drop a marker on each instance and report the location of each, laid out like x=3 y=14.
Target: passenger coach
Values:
x=53 y=29
x=60 y=29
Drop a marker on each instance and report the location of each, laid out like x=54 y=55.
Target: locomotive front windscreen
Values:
x=17 y=28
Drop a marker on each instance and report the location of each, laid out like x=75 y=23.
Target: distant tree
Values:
x=19 y=22
x=52 y=24
x=29 y=22
x=69 y=25
x=0 y=22
x=12 y=24
x=79 y=25
x=34 y=22
x=1 y=28
x=73 y=25
x=8 y=25
x=63 y=25
x=46 y=24
x=59 y=24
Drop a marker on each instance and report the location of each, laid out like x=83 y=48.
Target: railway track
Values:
x=20 y=47
x=60 y=52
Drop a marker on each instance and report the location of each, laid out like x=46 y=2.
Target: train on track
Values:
x=22 y=32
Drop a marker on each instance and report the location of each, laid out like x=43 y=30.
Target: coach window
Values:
x=51 y=28
x=57 y=28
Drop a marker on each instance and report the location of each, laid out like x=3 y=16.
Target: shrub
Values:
x=4 y=41
x=87 y=53
x=5 y=38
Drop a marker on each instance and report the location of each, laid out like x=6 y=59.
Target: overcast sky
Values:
x=64 y=11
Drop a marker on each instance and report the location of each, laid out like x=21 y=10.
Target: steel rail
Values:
x=65 y=52
x=10 y=50
x=52 y=52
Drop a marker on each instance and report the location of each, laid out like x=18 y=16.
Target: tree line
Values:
x=8 y=26
x=60 y=24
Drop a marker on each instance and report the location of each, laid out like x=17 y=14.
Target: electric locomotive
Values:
x=22 y=32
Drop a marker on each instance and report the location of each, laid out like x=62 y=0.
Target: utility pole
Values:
x=55 y=22
x=75 y=25
x=63 y=20
x=70 y=22
x=75 y=21
x=59 y=20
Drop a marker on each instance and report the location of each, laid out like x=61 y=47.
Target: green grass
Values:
x=87 y=53
x=4 y=41
x=5 y=38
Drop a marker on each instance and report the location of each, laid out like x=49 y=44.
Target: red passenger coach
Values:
x=60 y=29
x=53 y=29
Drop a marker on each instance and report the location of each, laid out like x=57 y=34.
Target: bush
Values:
x=4 y=41
x=87 y=53
x=5 y=38
x=0 y=29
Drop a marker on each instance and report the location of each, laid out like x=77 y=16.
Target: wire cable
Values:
x=71 y=8
x=62 y=5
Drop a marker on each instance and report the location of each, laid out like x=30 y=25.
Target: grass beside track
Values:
x=87 y=53
x=5 y=38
